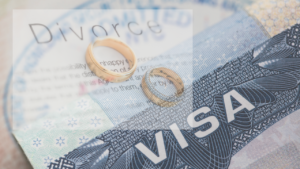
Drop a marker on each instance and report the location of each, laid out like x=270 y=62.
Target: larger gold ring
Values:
x=104 y=73
x=157 y=97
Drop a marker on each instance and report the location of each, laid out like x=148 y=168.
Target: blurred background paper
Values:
x=275 y=15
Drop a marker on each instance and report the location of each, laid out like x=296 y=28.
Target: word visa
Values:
x=245 y=104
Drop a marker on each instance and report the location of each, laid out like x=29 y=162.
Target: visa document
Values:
x=221 y=113
x=54 y=71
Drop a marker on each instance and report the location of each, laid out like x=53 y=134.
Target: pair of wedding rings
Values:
x=154 y=95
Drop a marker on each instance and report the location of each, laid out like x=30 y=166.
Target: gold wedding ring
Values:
x=104 y=73
x=157 y=97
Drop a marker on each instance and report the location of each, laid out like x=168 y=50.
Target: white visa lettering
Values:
x=178 y=135
x=160 y=147
x=245 y=104
x=211 y=119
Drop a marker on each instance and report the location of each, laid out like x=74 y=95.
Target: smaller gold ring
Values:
x=157 y=97
x=104 y=73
